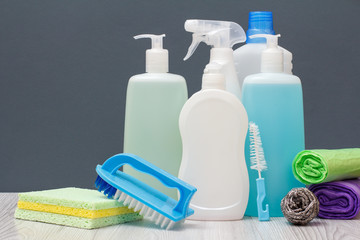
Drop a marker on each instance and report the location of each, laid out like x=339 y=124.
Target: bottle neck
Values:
x=213 y=81
x=260 y=22
x=221 y=54
x=272 y=69
x=157 y=61
x=272 y=61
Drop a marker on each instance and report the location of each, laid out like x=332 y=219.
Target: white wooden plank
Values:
x=248 y=228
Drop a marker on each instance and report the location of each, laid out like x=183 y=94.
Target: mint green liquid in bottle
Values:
x=153 y=104
x=273 y=100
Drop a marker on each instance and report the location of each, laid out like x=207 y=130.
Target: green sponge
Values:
x=73 y=221
x=74 y=207
x=71 y=197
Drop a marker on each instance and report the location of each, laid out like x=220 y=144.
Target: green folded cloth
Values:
x=321 y=165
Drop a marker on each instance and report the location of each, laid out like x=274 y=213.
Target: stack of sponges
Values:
x=76 y=207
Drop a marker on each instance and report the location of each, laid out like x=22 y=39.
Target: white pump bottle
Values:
x=213 y=125
x=222 y=36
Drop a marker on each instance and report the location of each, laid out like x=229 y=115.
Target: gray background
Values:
x=64 y=67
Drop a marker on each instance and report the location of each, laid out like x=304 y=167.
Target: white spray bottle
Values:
x=213 y=125
x=222 y=36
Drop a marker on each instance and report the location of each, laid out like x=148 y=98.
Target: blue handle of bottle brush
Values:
x=185 y=190
x=263 y=215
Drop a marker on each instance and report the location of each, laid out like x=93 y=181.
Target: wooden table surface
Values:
x=248 y=228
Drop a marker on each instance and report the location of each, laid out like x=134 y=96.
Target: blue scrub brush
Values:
x=151 y=203
x=258 y=163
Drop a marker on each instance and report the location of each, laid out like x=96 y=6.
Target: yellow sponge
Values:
x=77 y=212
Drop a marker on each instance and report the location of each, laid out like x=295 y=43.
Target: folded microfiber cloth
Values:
x=317 y=166
x=75 y=207
x=339 y=199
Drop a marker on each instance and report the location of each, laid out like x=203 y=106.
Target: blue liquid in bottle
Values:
x=277 y=109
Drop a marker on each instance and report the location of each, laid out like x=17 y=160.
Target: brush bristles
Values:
x=132 y=203
x=257 y=158
x=104 y=187
x=145 y=211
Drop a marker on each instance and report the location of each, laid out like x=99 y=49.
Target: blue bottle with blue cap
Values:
x=248 y=57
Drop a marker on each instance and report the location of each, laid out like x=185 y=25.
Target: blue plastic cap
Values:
x=259 y=23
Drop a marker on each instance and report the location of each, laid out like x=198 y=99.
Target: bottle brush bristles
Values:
x=257 y=157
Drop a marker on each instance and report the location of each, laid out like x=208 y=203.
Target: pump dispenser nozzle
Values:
x=157 y=58
x=272 y=58
x=219 y=34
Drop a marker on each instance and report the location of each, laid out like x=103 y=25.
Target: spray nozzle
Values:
x=218 y=34
x=272 y=58
x=157 y=58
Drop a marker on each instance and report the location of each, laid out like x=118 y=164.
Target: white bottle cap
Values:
x=212 y=77
x=157 y=58
x=272 y=58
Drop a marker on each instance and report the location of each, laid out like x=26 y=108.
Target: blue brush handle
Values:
x=186 y=191
x=262 y=215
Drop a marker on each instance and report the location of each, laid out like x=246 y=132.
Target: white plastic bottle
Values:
x=213 y=125
x=248 y=57
x=153 y=103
